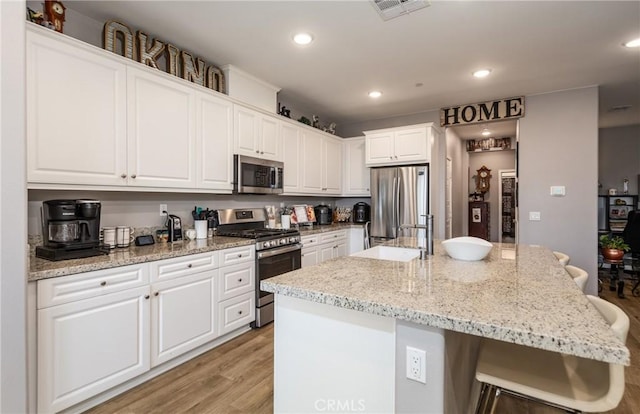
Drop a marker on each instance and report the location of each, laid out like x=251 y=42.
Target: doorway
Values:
x=470 y=147
x=507 y=219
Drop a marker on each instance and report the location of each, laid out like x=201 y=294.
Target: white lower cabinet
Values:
x=97 y=330
x=321 y=247
x=182 y=315
x=91 y=345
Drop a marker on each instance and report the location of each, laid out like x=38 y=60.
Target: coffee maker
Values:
x=70 y=229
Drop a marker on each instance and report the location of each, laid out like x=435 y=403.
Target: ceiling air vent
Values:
x=389 y=9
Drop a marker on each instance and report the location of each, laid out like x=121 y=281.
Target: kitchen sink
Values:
x=396 y=254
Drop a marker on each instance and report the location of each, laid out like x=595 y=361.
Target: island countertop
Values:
x=518 y=293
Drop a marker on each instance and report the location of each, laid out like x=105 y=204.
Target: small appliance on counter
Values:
x=70 y=230
x=174 y=227
x=324 y=214
x=361 y=212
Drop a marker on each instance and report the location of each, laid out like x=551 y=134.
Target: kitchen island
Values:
x=342 y=327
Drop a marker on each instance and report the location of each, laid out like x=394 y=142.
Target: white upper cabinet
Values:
x=312 y=163
x=161 y=131
x=76 y=114
x=214 y=142
x=356 y=176
x=256 y=134
x=291 y=147
x=332 y=165
x=402 y=145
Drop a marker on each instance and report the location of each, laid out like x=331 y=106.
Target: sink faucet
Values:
x=426 y=244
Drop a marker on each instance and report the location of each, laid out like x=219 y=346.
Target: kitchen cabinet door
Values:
x=340 y=249
x=214 y=142
x=161 y=131
x=256 y=134
x=325 y=252
x=182 y=315
x=76 y=113
x=270 y=140
x=309 y=256
x=411 y=145
x=89 y=346
x=312 y=163
x=379 y=147
x=332 y=165
x=291 y=147
x=356 y=176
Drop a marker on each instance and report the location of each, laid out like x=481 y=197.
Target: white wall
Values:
x=559 y=146
x=455 y=148
x=13 y=247
x=619 y=158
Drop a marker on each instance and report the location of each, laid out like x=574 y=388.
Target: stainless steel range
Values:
x=277 y=251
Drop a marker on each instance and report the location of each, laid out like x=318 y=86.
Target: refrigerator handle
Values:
x=396 y=206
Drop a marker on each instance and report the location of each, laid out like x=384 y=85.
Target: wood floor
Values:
x=237 y=377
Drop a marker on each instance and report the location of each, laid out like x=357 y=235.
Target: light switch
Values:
x=557 y=191
x=534 y=216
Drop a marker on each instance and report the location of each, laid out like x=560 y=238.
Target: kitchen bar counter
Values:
x=518 y=294
x=43 y=269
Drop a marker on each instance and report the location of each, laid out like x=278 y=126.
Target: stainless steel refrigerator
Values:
x=399 y=197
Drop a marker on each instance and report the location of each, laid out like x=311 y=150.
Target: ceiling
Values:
x=532 y=48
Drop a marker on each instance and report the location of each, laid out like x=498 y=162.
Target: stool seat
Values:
x=579 y=276
x=563 y=381
x=562 y=258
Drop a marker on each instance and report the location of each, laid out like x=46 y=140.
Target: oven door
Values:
x=275 y=262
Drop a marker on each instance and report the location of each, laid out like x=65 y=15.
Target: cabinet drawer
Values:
x=236 y=280
x=310 y=241
x=238 y=255
x=333 y=235
x=183 y=266
x=236 y=312
x=65 y=289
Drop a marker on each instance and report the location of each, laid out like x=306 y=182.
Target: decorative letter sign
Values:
x=150 y=50
x=501 y=109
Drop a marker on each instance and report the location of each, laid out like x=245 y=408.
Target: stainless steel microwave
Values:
x=256 y=176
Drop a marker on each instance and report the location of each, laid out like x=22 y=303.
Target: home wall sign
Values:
x=501 y=109
x=141 y=48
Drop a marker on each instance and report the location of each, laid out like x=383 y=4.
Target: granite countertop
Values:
x=519 y=294
x=308 y=230
x=43 y=269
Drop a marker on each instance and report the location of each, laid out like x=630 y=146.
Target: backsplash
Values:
x=141 y=210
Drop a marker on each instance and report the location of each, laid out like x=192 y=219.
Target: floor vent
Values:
x=389 y=9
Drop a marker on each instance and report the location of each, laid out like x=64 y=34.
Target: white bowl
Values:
x=467 y=248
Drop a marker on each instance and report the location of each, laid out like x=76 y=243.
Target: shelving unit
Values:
x=616 y=210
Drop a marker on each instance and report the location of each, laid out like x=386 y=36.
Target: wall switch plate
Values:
x=534 y=216
x=163 y=209
x=417 y=364
x=557 y=191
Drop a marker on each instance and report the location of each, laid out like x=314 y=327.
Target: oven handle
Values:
x=279 y=250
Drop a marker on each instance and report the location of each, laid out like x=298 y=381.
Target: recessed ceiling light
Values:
x=633 y=43
x=482 y=73
x=375 y=94
x=486 y=132
x=303 y=38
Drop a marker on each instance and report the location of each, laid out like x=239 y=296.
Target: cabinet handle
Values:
x=133 y=176
x=239 y=280
x=123 y=175
x=390 y=158
x=261 y=152
x=189 y=265
x=240 y=255
x=103 y=283
x=302 y=255
x=156 y=294
x=146 y=296
x=257 y=152
x=239 y=312
x=396 y=157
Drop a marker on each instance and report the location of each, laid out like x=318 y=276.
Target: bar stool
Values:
x=579 y=276
x=562 y=258
x=563 y=381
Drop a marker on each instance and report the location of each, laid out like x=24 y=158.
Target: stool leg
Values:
x=494 y=403
x=482 y=398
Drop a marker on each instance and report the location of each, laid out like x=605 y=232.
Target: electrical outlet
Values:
x=163 y=209
x=417 y=364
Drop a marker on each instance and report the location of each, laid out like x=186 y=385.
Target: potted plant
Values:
x=613 y=247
